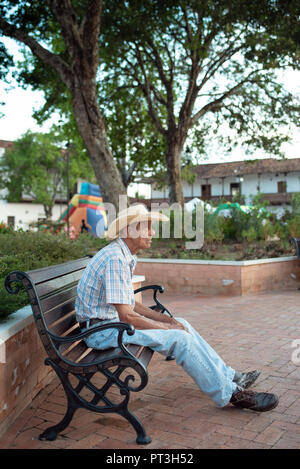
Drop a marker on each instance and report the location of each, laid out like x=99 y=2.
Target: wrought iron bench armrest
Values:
x=155 y=288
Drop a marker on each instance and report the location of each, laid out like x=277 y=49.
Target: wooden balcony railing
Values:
x=274 y=199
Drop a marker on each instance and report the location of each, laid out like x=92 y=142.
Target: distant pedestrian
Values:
x=83 y=227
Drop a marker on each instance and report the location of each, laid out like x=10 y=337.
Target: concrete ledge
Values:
x=22 y=371
x=230 y=278
x=207 y=262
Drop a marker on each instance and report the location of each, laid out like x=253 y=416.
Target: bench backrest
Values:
x=52 y=292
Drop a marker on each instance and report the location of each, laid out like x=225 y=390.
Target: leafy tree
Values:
x=137 y=147
x=64 y=38
x=202 y=63
x=36 y=166
x=197 y=64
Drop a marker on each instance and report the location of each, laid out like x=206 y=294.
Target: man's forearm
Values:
x=158 y=318
x=138 y=320
x=149 y=313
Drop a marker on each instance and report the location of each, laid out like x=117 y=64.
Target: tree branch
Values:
x=216 y=64
x=66 y=16
x=215 y=105
x=159 y=64
x=43 y=54
x=145 y=87
x=126 y=174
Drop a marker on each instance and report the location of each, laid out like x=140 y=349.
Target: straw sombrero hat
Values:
x=133 y=214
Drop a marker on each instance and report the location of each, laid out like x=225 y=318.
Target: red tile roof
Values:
x=238 y=168
x=6 y=143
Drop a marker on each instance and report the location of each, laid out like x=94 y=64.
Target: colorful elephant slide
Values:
x=88 y=207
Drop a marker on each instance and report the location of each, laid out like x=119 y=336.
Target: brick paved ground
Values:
x=254 y=331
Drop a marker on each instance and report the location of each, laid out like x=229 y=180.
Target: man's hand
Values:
x=175 y=324
x=143 y=317
x=169 y=322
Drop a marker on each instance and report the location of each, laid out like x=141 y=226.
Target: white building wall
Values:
x=26 y=213
x=293 y=182
x=265 y=183
x=187 y=189
x=268 y=183
x=249 y=186
x=216 y=186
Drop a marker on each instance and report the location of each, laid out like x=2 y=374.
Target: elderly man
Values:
x=105 y=294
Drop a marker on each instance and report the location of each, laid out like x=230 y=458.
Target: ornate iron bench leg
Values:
x=51 y=433
x=142 y=438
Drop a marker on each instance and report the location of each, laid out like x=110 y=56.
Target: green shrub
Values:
x=295 y=203
x=4 y=228
x=33 y=250
x=250 y=235
x=213 y=228
x=293 y=226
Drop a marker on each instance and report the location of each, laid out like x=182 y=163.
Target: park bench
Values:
x=52 y=293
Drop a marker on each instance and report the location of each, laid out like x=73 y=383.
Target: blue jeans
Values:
x=190 y=350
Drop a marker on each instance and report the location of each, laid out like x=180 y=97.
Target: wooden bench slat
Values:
x=58 y=299
x=47 y=273
x=65 y=325
x=75 y=352
x=59 y=312
x=80 y=353
x=60 y=283
x=145 y=356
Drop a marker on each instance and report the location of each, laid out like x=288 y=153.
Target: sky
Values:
x=19 y=105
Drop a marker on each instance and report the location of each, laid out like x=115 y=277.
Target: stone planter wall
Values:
x=221 y=277
x=22 y=370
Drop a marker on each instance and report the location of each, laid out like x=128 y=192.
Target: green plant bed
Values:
x=33 y=250
x=229 y=251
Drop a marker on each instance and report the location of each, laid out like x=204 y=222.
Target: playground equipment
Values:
x=88 y=207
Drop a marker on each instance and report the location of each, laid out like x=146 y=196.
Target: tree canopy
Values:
x=202 y=63
x=192 y=65
x=36 y=167
x=64 y=37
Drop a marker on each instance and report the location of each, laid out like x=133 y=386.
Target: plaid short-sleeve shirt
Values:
x=107 y=280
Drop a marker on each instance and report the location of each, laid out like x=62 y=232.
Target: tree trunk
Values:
x=48 y=211
x=92 y=130
x=173 y=162
x=81 y=38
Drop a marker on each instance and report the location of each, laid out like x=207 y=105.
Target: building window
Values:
x=281 y=186
x=235 y=188
x=206 y=191
x=11 y=221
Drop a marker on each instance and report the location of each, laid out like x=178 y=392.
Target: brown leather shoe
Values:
x=258 y=401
